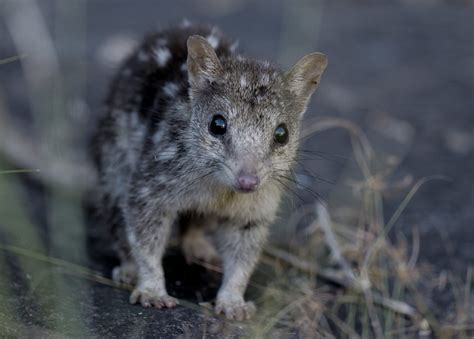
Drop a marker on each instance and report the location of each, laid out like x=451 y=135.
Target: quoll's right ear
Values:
x=203 y=64
x=303 y=79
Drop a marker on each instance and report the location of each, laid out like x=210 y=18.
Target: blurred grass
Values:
x=11 y=59
x=288 y=296
x=18 y=230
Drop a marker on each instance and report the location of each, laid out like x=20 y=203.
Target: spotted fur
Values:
x=160 y=167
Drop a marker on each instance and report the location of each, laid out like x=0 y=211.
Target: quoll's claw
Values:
x=150 y=299
x=236 y=310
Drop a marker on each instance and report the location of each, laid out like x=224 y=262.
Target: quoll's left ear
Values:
x=203 y=64
x=303 y=79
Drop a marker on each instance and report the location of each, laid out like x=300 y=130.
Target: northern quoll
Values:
x=197 y=137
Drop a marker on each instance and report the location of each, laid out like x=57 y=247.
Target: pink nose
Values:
x=247 y=182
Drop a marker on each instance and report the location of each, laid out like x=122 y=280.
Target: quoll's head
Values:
x=247 y=114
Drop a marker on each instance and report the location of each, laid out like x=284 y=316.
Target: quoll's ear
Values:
x=203 y=64
x=303 y=79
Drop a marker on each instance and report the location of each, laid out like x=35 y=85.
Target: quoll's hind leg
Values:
x=195 y=244
x=113 y=223
x=197 y=247
x=148 y=234
x=239 y=246
x=126 y=273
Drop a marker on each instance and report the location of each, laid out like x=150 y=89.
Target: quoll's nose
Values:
x=247 y=182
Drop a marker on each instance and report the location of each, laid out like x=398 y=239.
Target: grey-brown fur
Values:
x=160 y=167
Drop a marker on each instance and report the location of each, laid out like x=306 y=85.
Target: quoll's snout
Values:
x=247 y=182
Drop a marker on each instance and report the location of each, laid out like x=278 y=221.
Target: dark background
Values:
x=403 y=71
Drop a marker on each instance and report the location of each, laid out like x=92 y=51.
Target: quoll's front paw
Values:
x=149 y=298
x=235 y=308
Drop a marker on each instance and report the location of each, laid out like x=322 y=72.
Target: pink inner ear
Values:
x=305 y=75
x=307 y=72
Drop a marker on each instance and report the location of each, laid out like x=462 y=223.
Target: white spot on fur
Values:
x=234 y=46
x=213 y=41
x=131 y=238
x=158 y=136
x=130 y=135
x=115 y=49
x=136 y=134
x=243 y=81
x=144 y=191
x=168 y=153
x=213 y=38
x=170 y=89
x=163 y=178
x=162 y=55
x=184 y=67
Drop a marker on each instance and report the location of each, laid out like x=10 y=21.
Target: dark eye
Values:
x=281 y=134
x=218 y=125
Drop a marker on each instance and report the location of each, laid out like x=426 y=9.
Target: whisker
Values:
x=304 y=187
x=287 y=187
x=313 y=151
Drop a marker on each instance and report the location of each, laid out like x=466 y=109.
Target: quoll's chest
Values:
x=261 y=205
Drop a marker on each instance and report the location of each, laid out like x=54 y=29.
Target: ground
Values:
x=401 y=70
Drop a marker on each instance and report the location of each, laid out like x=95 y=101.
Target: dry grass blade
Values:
x=274 y=320
x=325 y=222
x=72 y=268
x=415 y=249
x=373 y=249
x=12 y=59
x=408 y=198
x=19 y=171
x=363 y=151
x=340 y=278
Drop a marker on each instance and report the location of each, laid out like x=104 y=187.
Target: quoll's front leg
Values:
x=239 y=246
x=148 y=235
